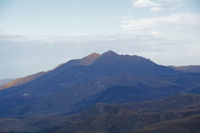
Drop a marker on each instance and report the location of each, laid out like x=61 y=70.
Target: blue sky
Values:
x=37 y=35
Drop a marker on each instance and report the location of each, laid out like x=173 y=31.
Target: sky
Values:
x=38 y=35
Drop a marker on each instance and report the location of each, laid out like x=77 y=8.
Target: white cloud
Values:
x=156 y=5
x=170 y=1
x=184 y=20
x=144 y=3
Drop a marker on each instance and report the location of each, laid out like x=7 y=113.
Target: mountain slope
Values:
x=82 y=96
x=20 y=81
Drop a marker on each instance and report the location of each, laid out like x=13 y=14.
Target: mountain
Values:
x=77 y=71
x=79 y=84
x=20 y=81
x=107 y=93
x=190 y=68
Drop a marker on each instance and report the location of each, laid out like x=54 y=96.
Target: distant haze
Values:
x=38 y=35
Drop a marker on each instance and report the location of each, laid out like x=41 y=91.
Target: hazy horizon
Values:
x=39 y=35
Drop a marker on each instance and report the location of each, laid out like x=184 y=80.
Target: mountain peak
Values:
x=109 y=53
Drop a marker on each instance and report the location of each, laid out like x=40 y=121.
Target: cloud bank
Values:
x=174 y=22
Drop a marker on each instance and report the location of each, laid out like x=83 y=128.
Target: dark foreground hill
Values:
x=177 y=114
